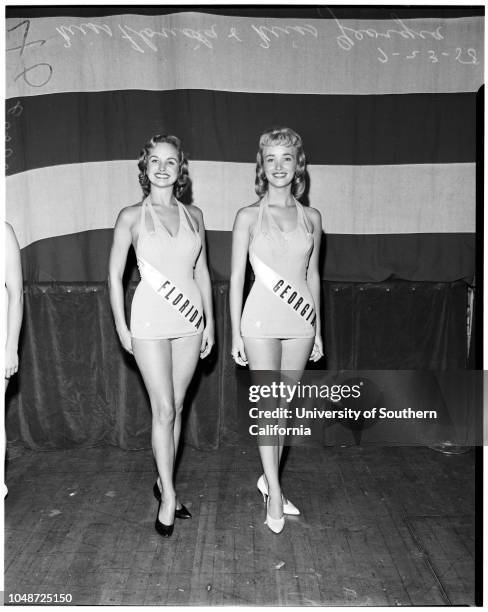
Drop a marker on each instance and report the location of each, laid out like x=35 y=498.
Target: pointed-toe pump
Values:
x=288 y=507
x=276 y=525
x=164 y=530
x=181 y=513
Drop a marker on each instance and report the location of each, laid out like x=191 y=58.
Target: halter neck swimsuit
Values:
x=167 y=302
x=279 y=304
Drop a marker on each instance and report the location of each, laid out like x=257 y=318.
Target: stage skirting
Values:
x=77 y=388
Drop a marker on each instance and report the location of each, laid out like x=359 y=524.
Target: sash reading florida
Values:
x=285 y=290
x=168 y=291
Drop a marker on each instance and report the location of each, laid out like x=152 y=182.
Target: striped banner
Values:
x=384 y=99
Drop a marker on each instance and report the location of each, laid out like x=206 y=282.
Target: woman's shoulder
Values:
x=252 y=207
x=129 y=214
x=249 y=212
x=9 y=230
x=196 y=214
x=10 y=237
x=313 y=215
x=246 y=218
x=194 y=210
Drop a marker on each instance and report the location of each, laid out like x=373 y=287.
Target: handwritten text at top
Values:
x=347 y=37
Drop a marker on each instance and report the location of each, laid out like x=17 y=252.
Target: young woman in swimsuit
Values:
x=280 y=324
x=171 y=316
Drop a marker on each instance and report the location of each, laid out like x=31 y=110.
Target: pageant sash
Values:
x=284 y=290
x=169 y=292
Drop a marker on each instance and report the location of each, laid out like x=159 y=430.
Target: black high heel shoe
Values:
x=181 y=513
x=164 y=530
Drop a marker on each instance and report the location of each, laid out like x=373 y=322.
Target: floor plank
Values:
x=379 y=526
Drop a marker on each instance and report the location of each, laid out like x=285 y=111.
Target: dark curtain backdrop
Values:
x=77 y=388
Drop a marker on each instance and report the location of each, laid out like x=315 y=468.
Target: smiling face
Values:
x=162 y=165
x=279 y=165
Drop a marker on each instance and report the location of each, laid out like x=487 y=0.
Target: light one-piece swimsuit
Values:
x=171 y=305
x=279 y=304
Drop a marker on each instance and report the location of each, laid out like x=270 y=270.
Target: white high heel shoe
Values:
x=288 y=507
x=276 y=525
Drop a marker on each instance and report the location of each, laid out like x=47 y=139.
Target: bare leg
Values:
x=154 y=360
x=4 y=450
x=265 y=354
x=294 y=354
x=167 y=367
x=186 y=353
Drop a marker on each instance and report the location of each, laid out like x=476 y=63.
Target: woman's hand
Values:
x=238 y=352
x=125 y=340
x=11 y=362
x=317 y=350
x=208 y=340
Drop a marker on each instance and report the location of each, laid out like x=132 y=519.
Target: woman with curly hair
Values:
x=280 y=325
x=171 y=322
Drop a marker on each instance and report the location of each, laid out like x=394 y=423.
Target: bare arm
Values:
x=118 y=258
x=313 y=280
x=202 y=278
x=240 y=246
x=14 y=285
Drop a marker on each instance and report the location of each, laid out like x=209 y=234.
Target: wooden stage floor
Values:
x=379 y=526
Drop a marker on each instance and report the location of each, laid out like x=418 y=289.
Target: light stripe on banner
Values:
x=359 y=200
x=200 y=51
x=170 y=293
x=283 y=290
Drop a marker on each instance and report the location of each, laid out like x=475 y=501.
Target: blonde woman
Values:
x=279 y=327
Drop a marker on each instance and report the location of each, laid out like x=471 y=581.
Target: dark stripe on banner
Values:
x=415 y=257
x=266 y=11
x=336 y=129
x=83 y=257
